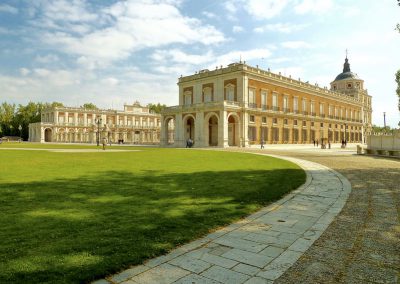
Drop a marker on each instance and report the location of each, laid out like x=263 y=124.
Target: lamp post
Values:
x=384 y=121
x=20 y=132
x=98 y=121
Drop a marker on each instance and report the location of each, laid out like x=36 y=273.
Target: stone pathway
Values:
x=362 y=245
x=257 y=249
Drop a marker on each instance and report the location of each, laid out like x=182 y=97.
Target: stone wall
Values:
x=384 y=142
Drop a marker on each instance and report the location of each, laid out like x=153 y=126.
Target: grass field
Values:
x=76 y=217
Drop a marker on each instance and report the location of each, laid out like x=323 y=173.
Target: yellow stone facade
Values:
x=135 y=125
x=241 y=105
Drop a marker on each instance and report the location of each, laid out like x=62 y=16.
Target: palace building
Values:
x=135 y=124
x=241 y=105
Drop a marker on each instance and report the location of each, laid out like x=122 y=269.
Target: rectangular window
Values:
x=274 y=100
x=263 y=98
x=188 y=99
x=207 y=95
x=295 y=104
x=285 y=102
x=304 y=123
x=264 y=119
x=252 y=133
x=304 y=107
x=295 y=122
x=274 y=120
x=321 y=108
x=312 y=123
x=285 y=121
x=312 y=108
x=252 y=119
x=252 y=96
x=322 y=124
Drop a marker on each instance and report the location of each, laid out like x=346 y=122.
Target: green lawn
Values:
x=76 y=217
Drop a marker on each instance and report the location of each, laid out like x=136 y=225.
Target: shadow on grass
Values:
x=77 y=230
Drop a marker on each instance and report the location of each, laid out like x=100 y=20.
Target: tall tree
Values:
x=7 y=123
x=89 y=106
x=156 y=108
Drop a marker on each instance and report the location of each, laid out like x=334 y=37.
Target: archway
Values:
x=189 y=127
x=47 y=135
x=213 y=131
x=233 y=130
x=169 y=130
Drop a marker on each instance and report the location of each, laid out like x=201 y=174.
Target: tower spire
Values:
x=346 y=65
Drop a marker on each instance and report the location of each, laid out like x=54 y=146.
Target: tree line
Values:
x=15 y=119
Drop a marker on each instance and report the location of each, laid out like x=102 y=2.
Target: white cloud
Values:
x=313 y=6
x=178 y=56
x=132 y=26
x=47 y=58
x=265 y=9
x=230 y=7
x=245 y=55
x=237 y=29
x=8 y=9
x=209 y=15
x=24 y=71
x=295 y=44
x=293 y=71
x=280 y=27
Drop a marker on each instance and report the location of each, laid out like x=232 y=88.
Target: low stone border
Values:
x=108 y=150
x=257 y=249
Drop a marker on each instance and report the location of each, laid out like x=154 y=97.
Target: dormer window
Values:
x=334 y=87
x=349 y=86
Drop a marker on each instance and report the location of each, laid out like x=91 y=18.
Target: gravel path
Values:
x=362 y=245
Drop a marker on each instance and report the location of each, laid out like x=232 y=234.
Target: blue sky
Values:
x=115 y=52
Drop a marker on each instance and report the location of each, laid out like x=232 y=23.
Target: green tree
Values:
x=89 y=106
x=7 y=123
x=56 y=104
x=156 y=108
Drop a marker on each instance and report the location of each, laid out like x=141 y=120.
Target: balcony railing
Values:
x=296 y=111
x=275 y=108
x=313 y=114
x=286 y=109
x=265 y=107
x=305 y=112
x=322 y=115
x=252 y=105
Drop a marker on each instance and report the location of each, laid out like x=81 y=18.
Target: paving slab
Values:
x=259 y=248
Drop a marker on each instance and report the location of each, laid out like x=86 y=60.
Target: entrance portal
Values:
x=47 y=135
x=233 y=131
x=213 y=131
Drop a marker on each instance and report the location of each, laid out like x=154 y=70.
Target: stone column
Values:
x=85 y=119
x=125 y=120
x=223 y=129
x=66 y=117
x=199 y=129
x=244 y=139
x=75 y=118
x=280 y=130
x=179 y=140
x=56 y=117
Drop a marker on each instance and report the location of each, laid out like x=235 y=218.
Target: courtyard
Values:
x=74 y=213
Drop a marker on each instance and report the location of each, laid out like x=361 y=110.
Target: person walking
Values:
x=262 y=144
x=317 y=142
